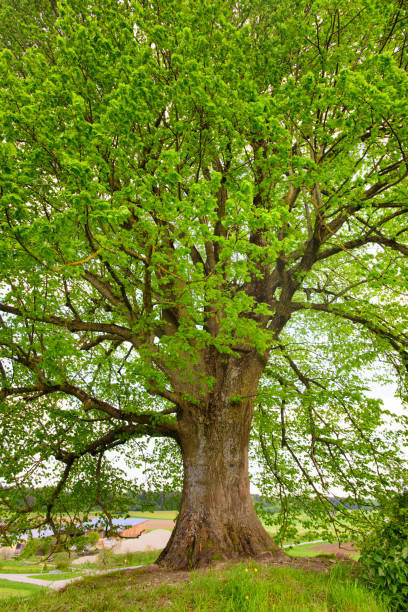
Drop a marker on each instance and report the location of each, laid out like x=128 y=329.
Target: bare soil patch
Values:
x=154 y=540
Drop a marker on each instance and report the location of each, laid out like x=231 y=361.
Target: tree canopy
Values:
x=204 y=233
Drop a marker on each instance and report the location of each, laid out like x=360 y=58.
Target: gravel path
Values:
x=57 y=585
x=24 y=578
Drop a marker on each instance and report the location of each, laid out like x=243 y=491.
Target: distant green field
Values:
x=157 y=514
x=303 y=550
x=301 y=536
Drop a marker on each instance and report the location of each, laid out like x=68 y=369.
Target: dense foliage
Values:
x=384 y=555
x=203 y=214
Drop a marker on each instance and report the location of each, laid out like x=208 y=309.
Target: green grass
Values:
x=303 y=550
x=9 y=591
x=157 y=514
x=306 y=534
x=306 y=550
x=14 y=566
x=137 y=558
x=126 y=560
x=54 y=577
x=243 y=588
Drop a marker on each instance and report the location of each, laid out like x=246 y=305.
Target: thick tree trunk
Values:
x=217 y=519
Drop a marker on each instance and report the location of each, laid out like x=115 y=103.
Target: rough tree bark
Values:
x=217 y=519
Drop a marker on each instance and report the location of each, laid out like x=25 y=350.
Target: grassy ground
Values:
x=244 y=587
x=61 y=576
x=11 y=590
x=260 y=588
x=306 y=550
x=127 y=560
x=16 y=566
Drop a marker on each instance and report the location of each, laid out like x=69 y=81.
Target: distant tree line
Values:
x=170 y=500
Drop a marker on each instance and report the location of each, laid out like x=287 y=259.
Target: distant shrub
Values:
x=37 y=547
x=384 y=554
x=93 y=537
x=140 y=558
x=105 y=559
x=62 y=560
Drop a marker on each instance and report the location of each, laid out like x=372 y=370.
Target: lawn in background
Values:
x=303 y=550
x=20 y=566
x=156 y=514
x=306 y=550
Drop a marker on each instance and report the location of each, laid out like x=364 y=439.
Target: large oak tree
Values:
x=204 y=213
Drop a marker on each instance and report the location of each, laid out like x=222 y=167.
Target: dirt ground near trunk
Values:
x=346 y=550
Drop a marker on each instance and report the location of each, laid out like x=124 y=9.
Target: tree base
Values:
x=217 y=520
x=198 y=541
